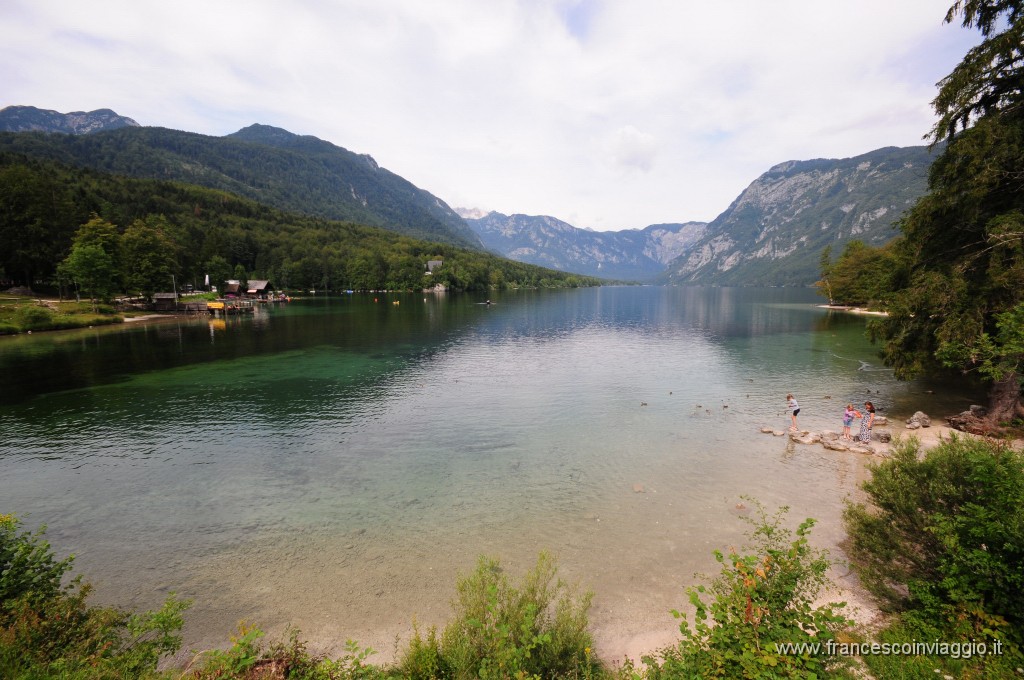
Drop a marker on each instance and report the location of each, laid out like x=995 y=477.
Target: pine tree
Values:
x=961 y=279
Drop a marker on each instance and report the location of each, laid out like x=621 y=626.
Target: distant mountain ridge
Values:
x=635 y=254
x=267 y=164
x=32 y=119
x=774 y=232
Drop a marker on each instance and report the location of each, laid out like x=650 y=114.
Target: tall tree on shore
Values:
x=962 y=255
x=150 y=256
x=94 y=263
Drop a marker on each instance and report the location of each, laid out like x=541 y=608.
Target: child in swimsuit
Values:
x=848 y=415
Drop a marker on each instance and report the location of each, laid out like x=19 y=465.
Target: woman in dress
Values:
x=866 y=422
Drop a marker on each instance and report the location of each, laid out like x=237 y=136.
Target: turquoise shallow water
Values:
x=335 y=463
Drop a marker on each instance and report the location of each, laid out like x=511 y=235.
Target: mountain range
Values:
x=633 y=254
x=31 y=119
x=772 y=234
x=267 y=164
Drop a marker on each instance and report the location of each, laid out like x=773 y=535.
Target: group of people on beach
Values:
x=867 y=419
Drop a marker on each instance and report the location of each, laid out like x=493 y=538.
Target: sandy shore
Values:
x=624 y=640
x=853 y=310
x=147 y=317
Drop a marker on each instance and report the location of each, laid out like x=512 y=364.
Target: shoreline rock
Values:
x=918 y=420
x=832 y=441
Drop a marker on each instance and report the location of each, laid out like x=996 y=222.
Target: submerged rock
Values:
x=805 y=437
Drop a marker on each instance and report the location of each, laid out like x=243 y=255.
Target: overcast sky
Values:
x=608 y=114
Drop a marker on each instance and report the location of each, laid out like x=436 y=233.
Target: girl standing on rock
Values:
x=866 y=422
x=848 y=415
x=794 y=408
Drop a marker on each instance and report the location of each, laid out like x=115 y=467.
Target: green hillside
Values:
x=269 y=165
x=205 y=231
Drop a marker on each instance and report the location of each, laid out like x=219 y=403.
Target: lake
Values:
x=335 y=463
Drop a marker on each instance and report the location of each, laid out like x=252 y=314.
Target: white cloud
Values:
x=632 y=149
x=605 y=113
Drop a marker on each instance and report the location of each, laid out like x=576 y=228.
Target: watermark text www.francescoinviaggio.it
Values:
x=953 y=650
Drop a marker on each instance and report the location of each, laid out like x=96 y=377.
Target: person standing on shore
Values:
x=794 y=410
x=848 y=415
x=866 y=422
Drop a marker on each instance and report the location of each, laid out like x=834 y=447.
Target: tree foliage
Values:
x=960 y=263
x=990 y=77
x=942 y=539
x=862 y=275
x=150 y=230
x=150 y=256
x=37 y=217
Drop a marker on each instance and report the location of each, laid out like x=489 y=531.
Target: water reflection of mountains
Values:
x=711 y=312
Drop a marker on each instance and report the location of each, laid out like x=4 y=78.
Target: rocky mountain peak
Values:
x=32 y=119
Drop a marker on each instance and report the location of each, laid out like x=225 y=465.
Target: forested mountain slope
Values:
x=206 y=231
x=270 y=165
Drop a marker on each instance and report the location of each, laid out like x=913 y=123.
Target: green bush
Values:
x=501 y=630
x=237 y=660
x=31 y=317
x=423 y=659
x=48 y=630
x=942 y=544
x=762 y=603
x=28 y=569
x=946 y=529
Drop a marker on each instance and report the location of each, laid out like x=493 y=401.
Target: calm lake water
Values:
x=336 y=463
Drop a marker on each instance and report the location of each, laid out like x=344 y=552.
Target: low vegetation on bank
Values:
x=940 y=542
x=22 y=314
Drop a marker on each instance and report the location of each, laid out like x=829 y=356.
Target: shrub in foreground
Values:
x=761 y=604
x=48 y=630
x=942 y=545
x=537 y=628
x=248 y=658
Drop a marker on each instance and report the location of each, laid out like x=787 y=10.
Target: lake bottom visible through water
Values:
x=337 y=465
